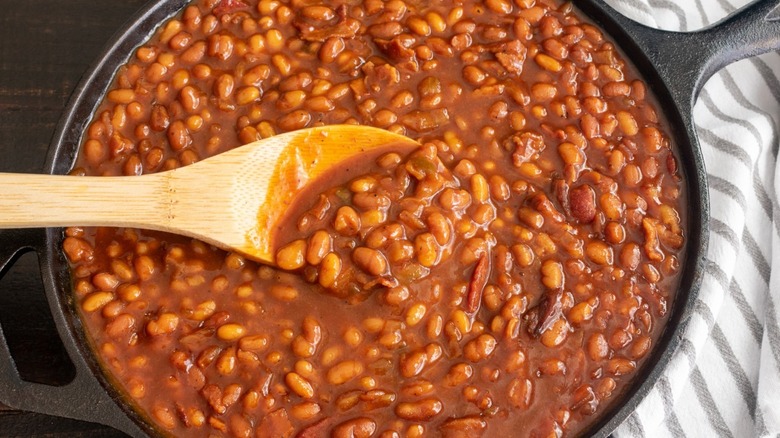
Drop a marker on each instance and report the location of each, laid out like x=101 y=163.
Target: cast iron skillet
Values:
x=675 y=65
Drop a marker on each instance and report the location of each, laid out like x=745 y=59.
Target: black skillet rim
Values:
x=679 y=120
x=91 y=89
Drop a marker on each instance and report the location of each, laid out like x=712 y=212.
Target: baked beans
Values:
x=509 y=276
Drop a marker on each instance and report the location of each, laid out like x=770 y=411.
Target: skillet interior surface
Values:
x=89 y=93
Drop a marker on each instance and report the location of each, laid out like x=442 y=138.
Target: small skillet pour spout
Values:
x=232 y=200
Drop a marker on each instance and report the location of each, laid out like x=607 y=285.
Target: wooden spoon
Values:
x=232 y=200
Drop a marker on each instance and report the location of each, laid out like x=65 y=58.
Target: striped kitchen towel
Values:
x=724 y=380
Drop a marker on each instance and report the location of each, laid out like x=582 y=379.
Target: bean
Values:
x=605 y=387
x=353 y=336
x=121 y=327
x=523 y=254
x=96 y=300
x=415 y=431
x=370 y=201
x=361 y=427
x=426 y=249
x=129 y=292
x=343 y=372
x=412 y=364
x=640 y=347
x=552 y=367
x=543 y=92
x=297 y=119
x=459 y=374
x=555 y=48
x=386 y=30
x=571 y=154
x=474 y=75
x=299 y=385
x=165 y=324
x=419 y=26
x=311 y=330
x=284 y=292
x=305 y=410
x=415 y=314
x=402 y=99
x=520 y=392
x=598 y=348
x=615 y=89
x=627 y=123
x=122 y=96
x=599 y=252
x=247 y=95
x=189 y=97
x=318 y=12
x=461 y=321
x=105 y=281
x=231 y=332
x=548 y=62
x=556 y=334
x=619 y=366
x=480 y=348
x=582 y=201
x=347 y=221
x=179 y=136
x=170 y=29
x=552 y=274
x=590 y=126
x=615 y=233
x=499 y=188
x=422 y=410
x=530 y=217
x=254 y=343
x=330 y=269
x=581 y=312
x=499 y=6
x=165 y=417
x=318 y=247
x=370 y=260
x=226 y=362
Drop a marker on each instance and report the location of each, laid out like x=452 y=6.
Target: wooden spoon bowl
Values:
x=232 y=200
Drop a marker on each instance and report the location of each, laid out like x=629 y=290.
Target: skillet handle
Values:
x=15 y=242
x=83 y=398
x=751 y=31
x=686 y=60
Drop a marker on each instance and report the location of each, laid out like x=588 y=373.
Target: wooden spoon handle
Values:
x=31 y=201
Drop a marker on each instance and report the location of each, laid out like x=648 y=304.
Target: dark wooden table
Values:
x=45 y=47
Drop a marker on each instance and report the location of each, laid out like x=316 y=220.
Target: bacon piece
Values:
x=228 y=7
x=526 y=146
x=316 y=430
x=477 y=284
x=544 y=205
x=511 y=56
x=544 y=314
x=276 y=424
x=561 y=191
x=402 y=56
x=345 y=27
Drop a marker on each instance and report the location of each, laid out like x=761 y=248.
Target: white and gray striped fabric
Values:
x=724 y=380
